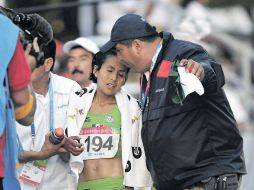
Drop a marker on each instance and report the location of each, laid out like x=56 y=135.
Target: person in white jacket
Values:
x=48 y=170
x=108 y=120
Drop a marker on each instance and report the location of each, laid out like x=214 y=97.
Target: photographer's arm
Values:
x=25 y=104
x=19 y=75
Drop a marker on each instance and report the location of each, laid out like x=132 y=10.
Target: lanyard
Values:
x=51 y=112
x=51 y=101
x=144 y=91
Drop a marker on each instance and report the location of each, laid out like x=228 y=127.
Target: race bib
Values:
x=32 y=172
x=99 y=142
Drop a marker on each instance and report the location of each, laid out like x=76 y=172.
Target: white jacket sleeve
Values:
x=76 y=162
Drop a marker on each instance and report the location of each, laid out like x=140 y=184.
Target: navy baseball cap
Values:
x=129 y=26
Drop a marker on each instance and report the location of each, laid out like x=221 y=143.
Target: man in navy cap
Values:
x=189 y=132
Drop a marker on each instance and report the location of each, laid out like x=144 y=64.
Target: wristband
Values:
x=23 y=111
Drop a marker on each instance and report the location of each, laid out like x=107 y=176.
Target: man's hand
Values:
x=193 y=67
x=73 y=145
x=49 y=149
x=31 y=60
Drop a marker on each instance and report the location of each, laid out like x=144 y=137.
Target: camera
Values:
x=31 y=25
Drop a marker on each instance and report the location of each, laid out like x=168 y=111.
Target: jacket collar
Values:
x=57 y=85
x=167 y=38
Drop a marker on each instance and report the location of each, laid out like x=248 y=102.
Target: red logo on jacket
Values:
x=164 y=69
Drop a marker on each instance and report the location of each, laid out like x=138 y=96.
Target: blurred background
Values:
x=223 y=27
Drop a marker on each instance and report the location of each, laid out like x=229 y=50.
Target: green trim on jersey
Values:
x=113 y=183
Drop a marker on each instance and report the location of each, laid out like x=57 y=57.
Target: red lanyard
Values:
x=144 y=94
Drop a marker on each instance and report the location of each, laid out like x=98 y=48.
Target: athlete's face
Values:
x=111 y=76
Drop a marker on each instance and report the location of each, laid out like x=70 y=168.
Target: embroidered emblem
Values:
x=159 y=90
x=81 y=112
x=71 y=116
x=109 y=119
x=142 y=19
x=62 y=106
x=137 y=152
x=128 y=166
x=81 y=92
x=164 y=69
x=135 y=118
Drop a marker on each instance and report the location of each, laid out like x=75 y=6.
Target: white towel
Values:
x=189 y=82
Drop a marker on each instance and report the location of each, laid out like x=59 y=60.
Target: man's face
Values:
x=38 y=73
x=131 y=57
x=42 y=71
x=80 y=65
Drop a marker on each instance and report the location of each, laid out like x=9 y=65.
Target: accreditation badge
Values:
x=32 y=172
x=100 y=142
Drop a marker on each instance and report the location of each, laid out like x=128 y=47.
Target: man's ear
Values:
x=95 y=70
x=137 y=45
x=48 y=63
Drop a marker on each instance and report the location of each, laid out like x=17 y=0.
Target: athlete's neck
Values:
x=103 y=100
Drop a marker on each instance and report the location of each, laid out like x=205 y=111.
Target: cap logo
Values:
x=142 y=19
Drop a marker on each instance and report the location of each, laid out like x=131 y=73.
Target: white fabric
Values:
x=164 y=14
x=195 y=24
x=110 y=11
x=58 y=174
x=237 y=106
x=131 y=123
x=189 y=82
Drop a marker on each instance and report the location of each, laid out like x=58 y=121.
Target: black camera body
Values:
x=31 y=25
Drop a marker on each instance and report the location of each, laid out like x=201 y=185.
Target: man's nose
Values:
x=75 y=63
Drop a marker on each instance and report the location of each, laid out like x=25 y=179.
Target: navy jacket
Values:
x=187 y=143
